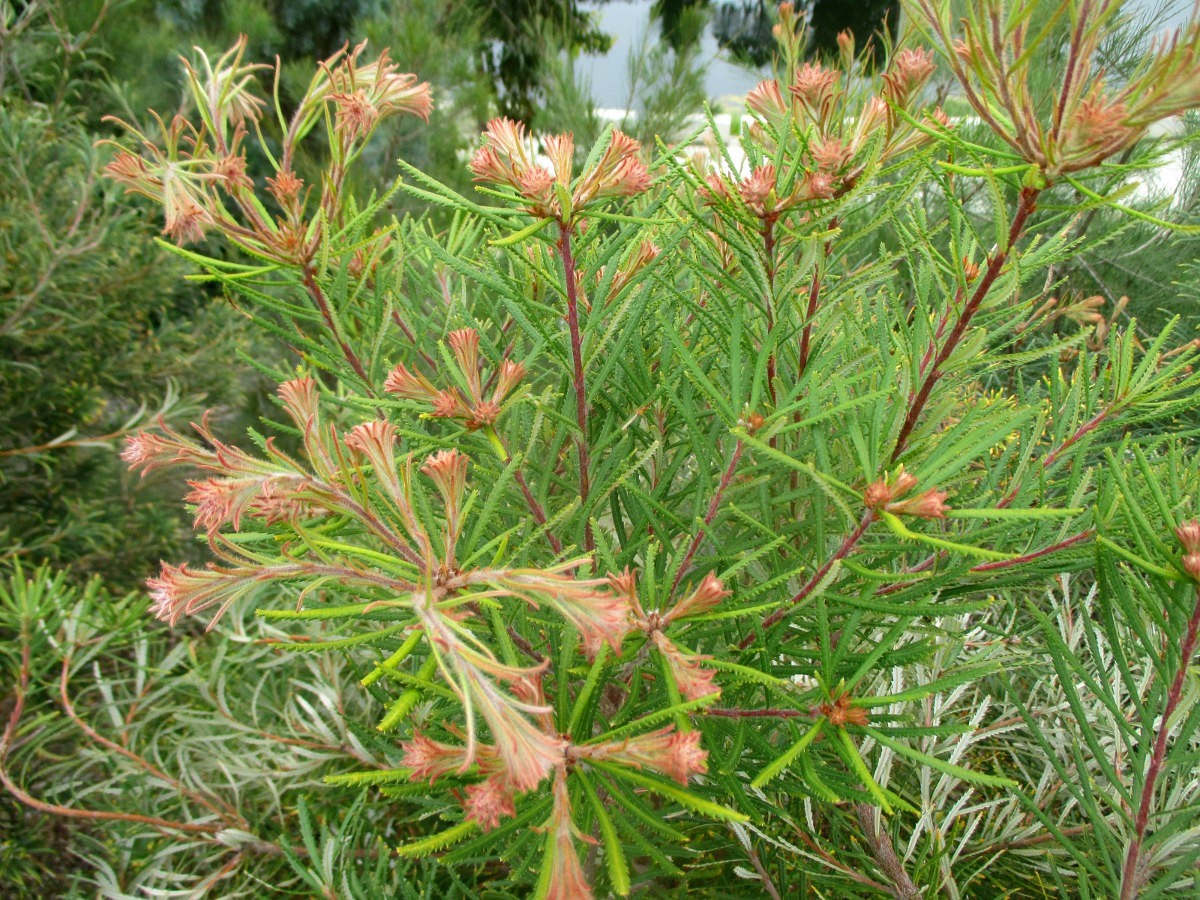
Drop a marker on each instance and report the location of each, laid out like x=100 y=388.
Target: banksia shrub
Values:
x=672 y=503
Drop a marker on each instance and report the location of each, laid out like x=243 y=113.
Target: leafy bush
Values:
x=171 y=774
x=692 y=523
x=95 y=325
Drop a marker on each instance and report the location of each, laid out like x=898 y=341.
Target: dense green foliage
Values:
x=641 y=524
x=96 y=325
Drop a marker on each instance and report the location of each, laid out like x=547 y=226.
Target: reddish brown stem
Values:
x=848 y=544
x=1032 y=841
x=1037 y=554
x=581 y=411
x=938 y=332
x=1073 y=61
x=535 y=508
x=61 y=445
x=1086 y=427
x=539 y=515
x=814 y=299
x=1050 y=458
x=835 y=864
x=29 y=800
x=412 y=338
x=382 y=531
x=768 y=235
x=1134 y=876
x=713 y=506
x=763 y=875
x=228 y=814
x=814 y=302
x=202 y=831
x=318 y=298
x=1025 y=208
x=985 y=567
x=520 y=642
x=323 y=746
x=910 y=570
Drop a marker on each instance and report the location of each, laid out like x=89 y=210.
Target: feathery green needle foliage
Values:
x=96 y=326
x=746 y=523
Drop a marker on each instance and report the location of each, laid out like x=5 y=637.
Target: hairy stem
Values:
x=880 y=844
